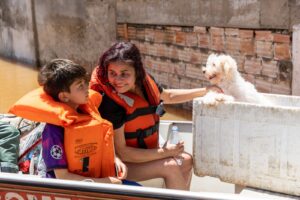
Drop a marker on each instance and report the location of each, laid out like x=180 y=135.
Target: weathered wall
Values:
x=78 y=30
x=37 y=31
x=174 y=55
x=16 y=30
x=279 y=14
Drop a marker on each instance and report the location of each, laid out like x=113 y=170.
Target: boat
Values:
x=22 y=186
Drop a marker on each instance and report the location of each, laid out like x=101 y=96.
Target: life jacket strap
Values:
x=140 y=112
x=158 y=110
x=140 y=134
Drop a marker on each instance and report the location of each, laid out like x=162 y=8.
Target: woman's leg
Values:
x=175 y=176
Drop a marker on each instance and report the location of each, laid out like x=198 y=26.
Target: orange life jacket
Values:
x=88 y=139
x=142 y=120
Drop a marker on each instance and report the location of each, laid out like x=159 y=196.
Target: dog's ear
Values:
x=227 y=69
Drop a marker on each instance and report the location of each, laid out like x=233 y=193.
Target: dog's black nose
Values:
x=203 y=70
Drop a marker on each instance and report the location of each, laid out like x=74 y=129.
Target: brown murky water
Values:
x=17 y=79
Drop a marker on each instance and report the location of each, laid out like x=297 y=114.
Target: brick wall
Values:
x=174 y=55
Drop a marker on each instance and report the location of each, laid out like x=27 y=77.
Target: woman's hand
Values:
x=121 y=169
x=214 y=88
x=174 y=149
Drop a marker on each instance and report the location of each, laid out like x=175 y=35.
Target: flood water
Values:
x=17 y=79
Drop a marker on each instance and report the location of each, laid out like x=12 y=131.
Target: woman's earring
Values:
x=66 y=100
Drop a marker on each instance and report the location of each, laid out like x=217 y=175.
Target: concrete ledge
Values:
x=249 y=144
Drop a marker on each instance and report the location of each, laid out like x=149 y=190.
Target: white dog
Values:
x=221 y=70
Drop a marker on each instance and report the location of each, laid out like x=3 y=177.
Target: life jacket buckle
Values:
x=160 y=111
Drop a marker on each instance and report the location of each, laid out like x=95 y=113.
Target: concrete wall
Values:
x=36 y=31
x=16 y=30
x=278 y=14
x=78 y=30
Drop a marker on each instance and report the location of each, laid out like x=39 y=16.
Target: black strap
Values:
x=140 y=112
x=85 y=164
x=140 y=134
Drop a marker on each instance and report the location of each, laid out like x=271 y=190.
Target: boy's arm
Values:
x=65 y=174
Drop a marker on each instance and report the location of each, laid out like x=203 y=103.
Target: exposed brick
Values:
x=180 y=38
x=196 y=83
x=282 y=51
x=247 y=46
x=270 y=68
x=173 y=81
x=142 y=48
x=280 y=38
x=161 y=77
x=185 y=83
x=246 y=34
x=203 y=40
x=217 y=43
x=216 y=31
x=264 y=36
x=159 y=36
x=169 y=37
x=151 y=49
x=140 y=33
x=120 y=31
x=263 y=85
x=285 y=71
x=148 y=62
x=196 y=57
x=161 y=50
x=204 y=58
x=200 y=29
x=191 y=39
x=149 y=35
x=232 y=44
x=253 y=65
x=281 y=88
x=173 y=52
x=231 y=32
x=194 y=71
x=264 y=49
x=163 y=66
x=184 y=54
x=179 y=68
x=249 y=77
x=131 y=32
x=240 y=60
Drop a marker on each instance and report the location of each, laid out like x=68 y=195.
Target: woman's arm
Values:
x=137 y=155
x=172 y=96
x=65 y=174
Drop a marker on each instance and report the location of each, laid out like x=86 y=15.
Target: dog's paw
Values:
x=224 y=98
x=213 y=99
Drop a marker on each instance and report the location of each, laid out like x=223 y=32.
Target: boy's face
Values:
x=78 y=94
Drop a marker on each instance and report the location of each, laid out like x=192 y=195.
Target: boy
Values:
x=77 y=142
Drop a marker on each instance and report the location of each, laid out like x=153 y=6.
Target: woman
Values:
x=132 y=102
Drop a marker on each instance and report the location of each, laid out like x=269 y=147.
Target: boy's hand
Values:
x=114 y=180
x=121 y=169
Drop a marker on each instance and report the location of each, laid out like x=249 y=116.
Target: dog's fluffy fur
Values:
x=221 y=70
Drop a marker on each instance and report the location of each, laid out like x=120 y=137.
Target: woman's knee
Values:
x=187 y=161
